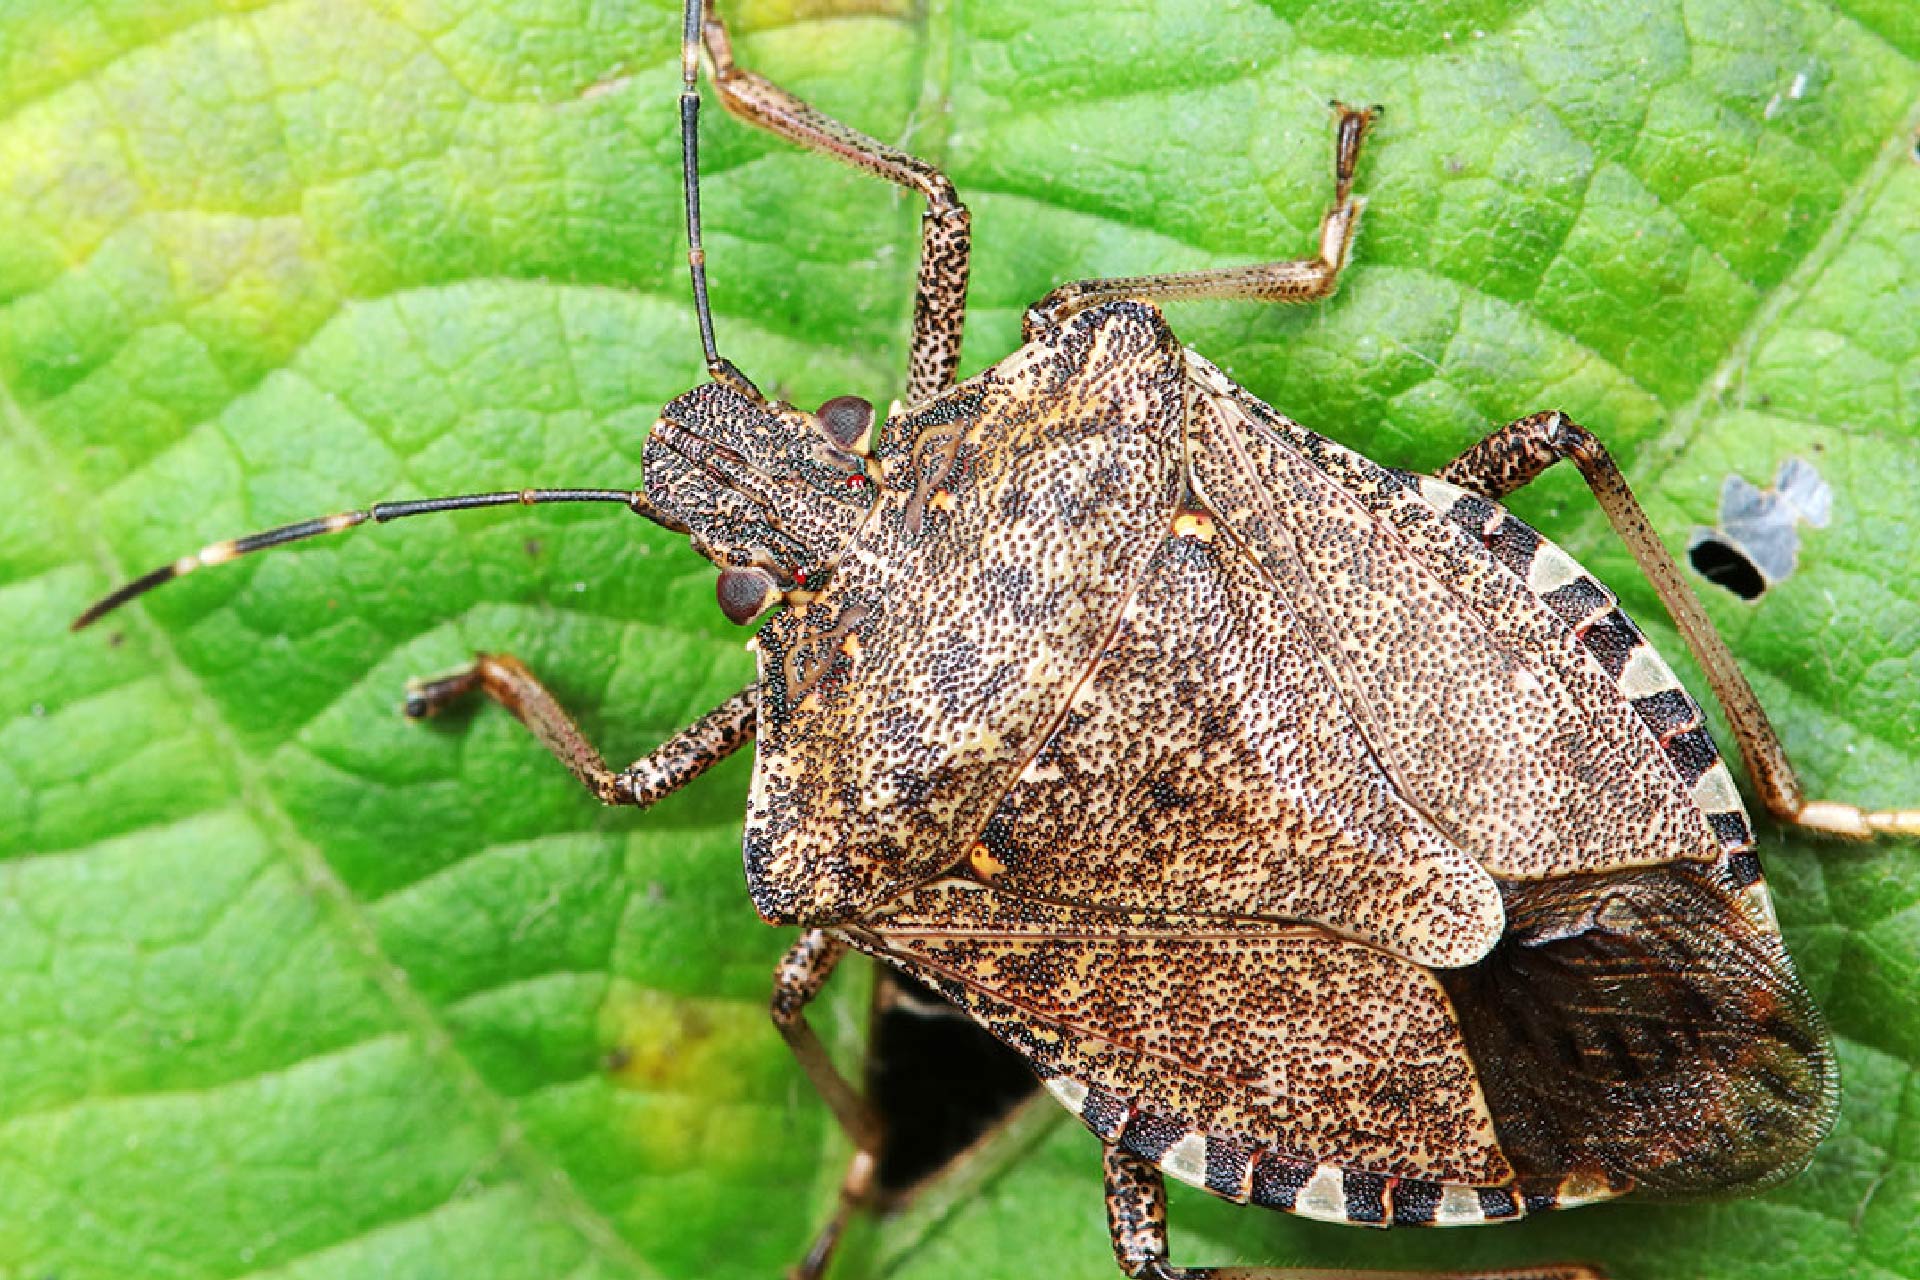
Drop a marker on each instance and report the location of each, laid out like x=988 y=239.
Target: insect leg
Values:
x=856 y=1190
x=1514 y=456
x=796 y=981
x=1137 y=1217
x=667 y=768
x=940 y=300
x=1301 y=280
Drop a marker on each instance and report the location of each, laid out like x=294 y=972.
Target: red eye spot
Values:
x=800 y=579
x=854 y=482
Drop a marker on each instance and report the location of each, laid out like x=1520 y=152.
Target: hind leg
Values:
x=1515 y=456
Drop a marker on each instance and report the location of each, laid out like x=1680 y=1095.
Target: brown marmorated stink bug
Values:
x=1321 y=835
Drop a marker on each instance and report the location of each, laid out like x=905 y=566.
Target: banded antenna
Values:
x=378 y=513
x=719 y=368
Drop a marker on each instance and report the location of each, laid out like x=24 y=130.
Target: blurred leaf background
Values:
x=291 y=987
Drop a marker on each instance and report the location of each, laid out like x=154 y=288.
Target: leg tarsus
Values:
x=1299 y=280
x=1516 y=455
x=1353 y=126
x=428 y=698
x=670 y=766
x=856 y=1191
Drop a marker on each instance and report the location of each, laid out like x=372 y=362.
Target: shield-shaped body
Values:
x=1317 y=830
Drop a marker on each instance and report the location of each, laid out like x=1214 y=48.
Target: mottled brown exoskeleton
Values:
x=1322 y=835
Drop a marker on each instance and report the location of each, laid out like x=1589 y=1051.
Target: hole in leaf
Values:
x=1725 y=565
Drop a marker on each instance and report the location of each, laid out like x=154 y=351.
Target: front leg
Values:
x=1516 y=455
x=940 y=298
x=662 y=771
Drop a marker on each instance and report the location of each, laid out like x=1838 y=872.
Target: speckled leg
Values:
x=665 y=769
x=1137 y=1216
x=798 y=979
x=939 y=305
x=1517 y=454
x=1302 y=280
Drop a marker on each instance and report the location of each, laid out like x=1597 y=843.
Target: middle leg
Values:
x=1302 y=280
x=798 y=979
x=1516 y=455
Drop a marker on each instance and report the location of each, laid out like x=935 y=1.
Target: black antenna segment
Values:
x=378 y=513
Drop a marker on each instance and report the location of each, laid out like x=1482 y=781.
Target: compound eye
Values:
x=745 y=594
x=847 y=420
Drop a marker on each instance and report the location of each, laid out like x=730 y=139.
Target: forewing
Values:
x=1649 y=1022
x=1494 y=711
x=1637 y=1029
x=1019 y=510
x=1209 y=765
x=1251 y=1038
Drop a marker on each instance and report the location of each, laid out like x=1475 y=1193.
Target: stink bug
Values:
x=1322 y=835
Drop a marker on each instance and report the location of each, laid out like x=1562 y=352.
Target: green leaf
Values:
x=291 y=986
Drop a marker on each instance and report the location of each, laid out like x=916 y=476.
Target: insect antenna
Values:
x=719 y=368
x=378 y=513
